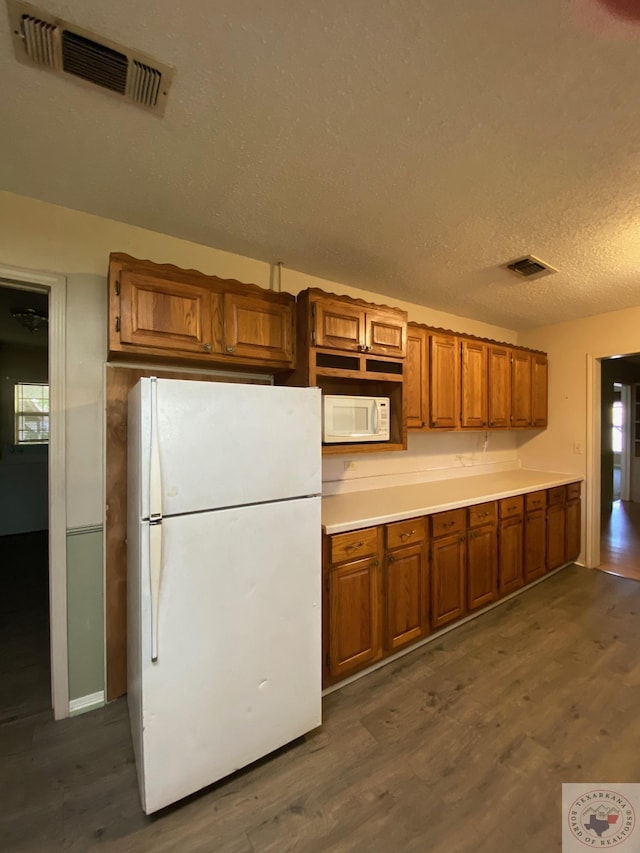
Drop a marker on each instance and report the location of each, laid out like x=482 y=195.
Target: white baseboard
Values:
x=86 y=703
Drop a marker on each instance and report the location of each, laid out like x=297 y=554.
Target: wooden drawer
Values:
x=511 y=506
x=444 y=523
x=536 y=500
x=573 y=491
x=353 y=545
x=556 y=495
x=406 y=532
x=483 y=514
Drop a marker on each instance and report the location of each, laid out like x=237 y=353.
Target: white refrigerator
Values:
x=223 y=580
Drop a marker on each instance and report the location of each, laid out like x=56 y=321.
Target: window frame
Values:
x=20 y=413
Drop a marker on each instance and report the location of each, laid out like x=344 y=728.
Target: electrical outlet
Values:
x=350 y=465
x=577 y=447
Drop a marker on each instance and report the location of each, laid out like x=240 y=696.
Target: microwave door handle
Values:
x=374 y=419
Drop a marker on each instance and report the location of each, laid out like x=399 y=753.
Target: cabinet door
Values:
x=520 y=388
x=482 y=566
x=535 y=550
x=155 y=312
x=573 y=531
x=499 y=368
x=555 y=536
x=444 y=381
x=406 y=596
x=386 y=333
x=258 y=327
x=448 y=576
x=473 y=399
x=416 y=378
x=510 y=555
x=338 y=325
x=354 y=632
x=539 y=391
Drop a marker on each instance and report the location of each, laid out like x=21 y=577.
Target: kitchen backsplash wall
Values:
x=430 y=456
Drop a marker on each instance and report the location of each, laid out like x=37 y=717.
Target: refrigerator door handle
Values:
x=155 y=566
x=155 y=521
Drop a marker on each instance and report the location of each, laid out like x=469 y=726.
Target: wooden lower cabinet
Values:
x=353 y=617
x=448 y=579
x=405 y=596
x=573 y=523
x=386 y=589
x=535 y=547
x=510 y=555
x=556 y=536
x=482 y=566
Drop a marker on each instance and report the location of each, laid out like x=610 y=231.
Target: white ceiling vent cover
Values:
x=44 y=41
x=529 y=267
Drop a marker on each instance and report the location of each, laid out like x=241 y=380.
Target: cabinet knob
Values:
x=229 y=349
x=392 y=559
x=207 y=347
x=461 y=540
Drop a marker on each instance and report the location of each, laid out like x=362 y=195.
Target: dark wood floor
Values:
x=460 y=747
x=25 y=675
x=620 y=540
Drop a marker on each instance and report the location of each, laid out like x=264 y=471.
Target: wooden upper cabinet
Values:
x=539 y=390
x=338 y=325
x=499 y=390
x=386 y=333
x=158 y=311
x=345 y=325
x=416 y=378
x=474 y=377
x=258 y=327
x=520 y=388
x=155 y=312
x=444 y=376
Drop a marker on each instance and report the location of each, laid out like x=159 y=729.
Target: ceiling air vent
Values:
x=530 y=267
x=45 y=41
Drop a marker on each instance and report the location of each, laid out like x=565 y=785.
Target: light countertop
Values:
x=354 y=510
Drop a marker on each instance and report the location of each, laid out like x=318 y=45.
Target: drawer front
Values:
x=511 y=506
x=353 y=545
x=573 y=491
x=406 y=532
x=445 y=523
x=556 y=495
x=483 y=514
x=536 y=500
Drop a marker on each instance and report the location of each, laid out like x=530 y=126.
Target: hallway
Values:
x=620 y=541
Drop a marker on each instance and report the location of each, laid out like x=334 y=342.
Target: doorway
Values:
x=620 y=468
x=25 y=669
x=55 y=285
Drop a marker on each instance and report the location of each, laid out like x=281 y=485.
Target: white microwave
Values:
x=354 y=419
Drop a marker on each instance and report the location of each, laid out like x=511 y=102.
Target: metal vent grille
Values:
x=529 y=267
x=94 y=62
x=39 y=40
x=44 y=41
x=145 y=82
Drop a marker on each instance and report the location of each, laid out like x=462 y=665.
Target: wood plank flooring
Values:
x=459 y=747
x=620 y=540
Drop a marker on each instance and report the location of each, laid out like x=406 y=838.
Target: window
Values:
x=31 y=407
x=618 y=421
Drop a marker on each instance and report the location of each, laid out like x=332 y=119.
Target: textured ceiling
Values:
x=409 y=147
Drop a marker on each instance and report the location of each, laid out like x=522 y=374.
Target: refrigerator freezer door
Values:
x=239 y=645
x=224 y=445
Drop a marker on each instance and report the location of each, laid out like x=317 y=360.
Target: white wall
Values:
x=23 y=470
x=37 y=235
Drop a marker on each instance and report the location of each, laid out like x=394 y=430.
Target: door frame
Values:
x=627 y=438
x=56 y=287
